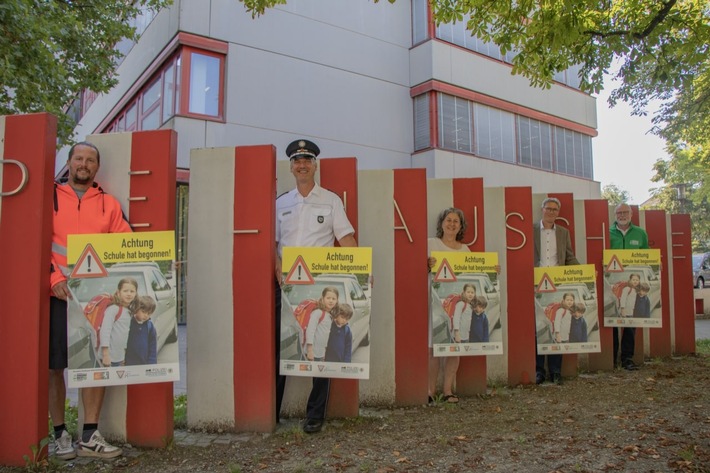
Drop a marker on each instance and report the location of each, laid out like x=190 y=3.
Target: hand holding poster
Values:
x=122 y=323
x=566 y=309
x=632 y=283
x=465 y=304
x=325 y=312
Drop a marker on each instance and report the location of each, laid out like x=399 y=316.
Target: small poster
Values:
x=122 y=321
x=325 y=312
x=566 y=310
x=632 y=286
x=465 y=304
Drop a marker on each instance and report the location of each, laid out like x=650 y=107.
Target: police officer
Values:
x=307 y=216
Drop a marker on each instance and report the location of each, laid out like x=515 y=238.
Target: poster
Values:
x=566 y=310
x=122 y=321
x=632 y=281
x=325 y=312
x=465 y=304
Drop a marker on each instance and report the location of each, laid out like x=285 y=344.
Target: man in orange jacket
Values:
x=80 y=206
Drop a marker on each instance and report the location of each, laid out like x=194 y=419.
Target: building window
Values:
x=469 y=127
x=204 y=84
x=201 y=81
x=456 y=33
x=420 y=21
x=455 y=130
x=573 y=152
x=495 y=133
x=534 y=143
x=421 y=122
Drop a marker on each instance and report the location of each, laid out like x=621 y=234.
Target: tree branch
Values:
x=657 y=19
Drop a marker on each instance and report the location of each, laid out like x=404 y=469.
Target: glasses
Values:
x=623 y=212
x=550 y=209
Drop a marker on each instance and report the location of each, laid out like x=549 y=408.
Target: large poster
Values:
x=632 y=280
x=122 y=322
x=566 y=310
x=465 y=304
x=325 y=312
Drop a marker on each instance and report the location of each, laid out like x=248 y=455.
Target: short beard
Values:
x=81 y=180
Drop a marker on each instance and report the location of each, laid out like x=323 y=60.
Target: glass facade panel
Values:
x=534 y=143
x=504 y=136
x=495 y=133
x=204 y=84
x=151 y=95
x=168 y=93
x=420 y=20
x=456 y=33
x=455 y=123
x=421 y=122
x=151 y=121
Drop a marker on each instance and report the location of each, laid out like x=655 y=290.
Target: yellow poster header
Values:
x=460 y=262
x=612 y=258
x=328 y=260
x=124 y=247
x=582 y=273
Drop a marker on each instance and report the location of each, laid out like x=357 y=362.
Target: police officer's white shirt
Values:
x=315 y=220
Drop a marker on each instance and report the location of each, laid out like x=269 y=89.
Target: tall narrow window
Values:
x=534 y=143
x=204 y=84
x=455 y=123
x=169 y=90
x=151 y=115
x=420 y=21
x=422 y=140
x=495 y=133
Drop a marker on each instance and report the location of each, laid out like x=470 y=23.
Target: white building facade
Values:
x=376 y=81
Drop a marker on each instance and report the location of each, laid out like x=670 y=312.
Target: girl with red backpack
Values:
x=113 y=334
x=319 y=324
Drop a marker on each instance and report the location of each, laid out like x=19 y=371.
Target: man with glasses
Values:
x=553 y=247
x=624 y=235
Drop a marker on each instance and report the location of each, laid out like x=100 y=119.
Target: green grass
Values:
x=180 y=411
x=703 y=346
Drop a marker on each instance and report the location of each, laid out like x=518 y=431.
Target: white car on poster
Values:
x=151 y=282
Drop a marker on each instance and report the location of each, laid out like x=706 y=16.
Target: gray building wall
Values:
x=339 y=72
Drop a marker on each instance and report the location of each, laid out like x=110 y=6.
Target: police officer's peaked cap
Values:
x=302 y=149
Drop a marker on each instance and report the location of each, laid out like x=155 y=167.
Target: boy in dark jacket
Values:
x=340 y=340
x=142 y=346
x=642 y=308
x=578 y=326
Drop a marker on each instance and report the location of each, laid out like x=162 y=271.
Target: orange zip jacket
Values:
x=96 y=212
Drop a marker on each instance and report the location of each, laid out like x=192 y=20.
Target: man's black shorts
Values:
x=57 y=334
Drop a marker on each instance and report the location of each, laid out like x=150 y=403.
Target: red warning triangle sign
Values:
x=299 y=273
x=614 y=265
x=89 y=265
x=546 y=284
x=445 y=273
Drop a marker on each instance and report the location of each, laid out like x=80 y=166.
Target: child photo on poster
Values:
x=465 y=304
x=122 y=320
x=325 y=312
x=566 y=309
x=632 y=280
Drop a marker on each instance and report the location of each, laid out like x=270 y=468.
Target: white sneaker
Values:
x=63 y=447
x=98 y=447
